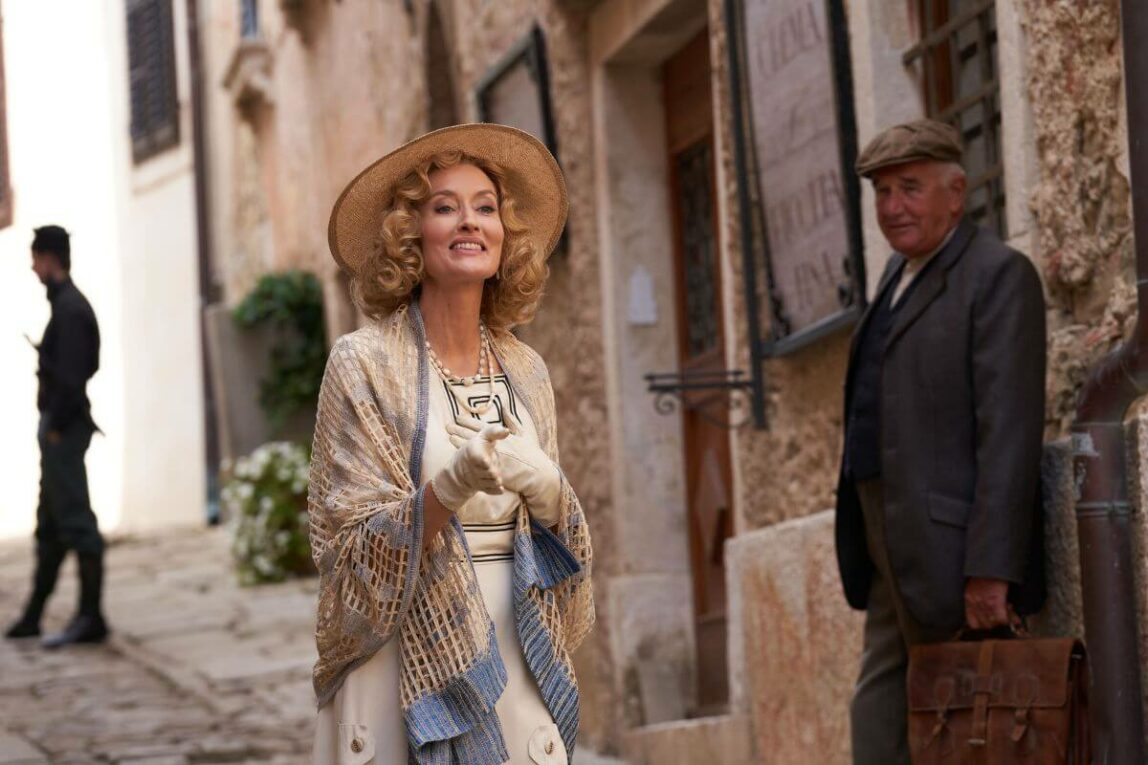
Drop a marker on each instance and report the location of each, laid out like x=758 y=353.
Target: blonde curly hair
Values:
x=392 y=276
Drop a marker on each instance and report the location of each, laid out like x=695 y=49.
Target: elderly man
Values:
x=938 y=502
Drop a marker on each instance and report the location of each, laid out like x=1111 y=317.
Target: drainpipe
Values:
x=204 y=255
x=1104 y=514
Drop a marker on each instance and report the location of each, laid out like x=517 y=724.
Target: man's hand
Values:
x=986 y=604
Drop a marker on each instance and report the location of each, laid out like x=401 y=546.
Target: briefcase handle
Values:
x=1005 y=632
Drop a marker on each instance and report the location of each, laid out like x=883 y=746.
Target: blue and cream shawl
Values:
x=375 y=582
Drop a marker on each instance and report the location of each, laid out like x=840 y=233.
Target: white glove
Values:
x=523 y=466
x=473 y=468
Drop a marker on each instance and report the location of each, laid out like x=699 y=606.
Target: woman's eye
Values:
x=443 y=209
x=488 y=209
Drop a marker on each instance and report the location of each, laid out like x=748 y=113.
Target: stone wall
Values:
x=322 y=113
x=1081 y=197
x=795 y=644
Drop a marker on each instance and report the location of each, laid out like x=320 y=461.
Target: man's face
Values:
x=44 y=265
x=917 y=204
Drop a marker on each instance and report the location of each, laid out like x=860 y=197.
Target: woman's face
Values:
x=461 y=227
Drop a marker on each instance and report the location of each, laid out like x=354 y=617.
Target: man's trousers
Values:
x=880 y=704
x=64 y=518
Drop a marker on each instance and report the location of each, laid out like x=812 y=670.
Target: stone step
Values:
x=721 y=740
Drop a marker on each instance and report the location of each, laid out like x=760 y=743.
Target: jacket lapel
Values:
x=932 y=282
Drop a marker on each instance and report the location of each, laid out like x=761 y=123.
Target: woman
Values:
x=453 y=556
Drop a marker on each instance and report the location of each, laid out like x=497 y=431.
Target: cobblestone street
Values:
x=198 y=670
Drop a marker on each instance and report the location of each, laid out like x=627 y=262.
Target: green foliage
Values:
x=291 y=303
x=265 y=496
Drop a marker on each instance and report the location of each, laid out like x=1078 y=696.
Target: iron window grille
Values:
x=151 y=71
x=957 y=57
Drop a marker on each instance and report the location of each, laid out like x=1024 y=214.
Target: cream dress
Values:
x=363 y=723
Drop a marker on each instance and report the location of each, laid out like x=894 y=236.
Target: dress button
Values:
x=356 y=745
x=550 y=747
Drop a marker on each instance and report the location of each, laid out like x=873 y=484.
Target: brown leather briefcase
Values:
x=999 y=702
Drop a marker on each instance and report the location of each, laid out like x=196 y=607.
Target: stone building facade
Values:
x=722 y=632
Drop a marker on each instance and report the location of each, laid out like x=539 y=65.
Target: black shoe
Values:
x=83 y=629
x=25 y=628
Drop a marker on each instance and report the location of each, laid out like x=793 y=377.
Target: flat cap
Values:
x=910 y=142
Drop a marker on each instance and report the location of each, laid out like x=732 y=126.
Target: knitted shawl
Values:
x=376 y=583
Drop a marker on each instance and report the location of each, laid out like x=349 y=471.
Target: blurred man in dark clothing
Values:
x=69 y=356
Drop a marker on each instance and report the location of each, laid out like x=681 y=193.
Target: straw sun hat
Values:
x=532 y=177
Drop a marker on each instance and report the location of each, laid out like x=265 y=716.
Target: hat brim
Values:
x=532 y=177
x=868 y=170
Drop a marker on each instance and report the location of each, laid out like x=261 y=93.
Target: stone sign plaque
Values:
x=792 y=154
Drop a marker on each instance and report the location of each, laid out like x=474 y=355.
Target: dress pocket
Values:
x=356 y=744
x=545 y=746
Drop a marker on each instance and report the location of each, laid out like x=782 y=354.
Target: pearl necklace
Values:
x=484 y=356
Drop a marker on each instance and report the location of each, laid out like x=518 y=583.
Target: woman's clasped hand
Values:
x=520 y=463
x=473 y=468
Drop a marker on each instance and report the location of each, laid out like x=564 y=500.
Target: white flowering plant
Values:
x=265 y=497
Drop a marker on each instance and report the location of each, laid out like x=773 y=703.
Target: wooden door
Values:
x=701 y=343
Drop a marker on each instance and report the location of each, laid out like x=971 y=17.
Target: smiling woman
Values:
x=461 y=228
x=397 y=271
x=441 y=524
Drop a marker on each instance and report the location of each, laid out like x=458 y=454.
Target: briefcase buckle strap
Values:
x=982 y=688
x=939 y=728
x=1020 y=726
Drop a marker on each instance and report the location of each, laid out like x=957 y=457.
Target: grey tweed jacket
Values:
x=962 y=418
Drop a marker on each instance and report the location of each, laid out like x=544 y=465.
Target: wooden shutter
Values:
x=151 y=72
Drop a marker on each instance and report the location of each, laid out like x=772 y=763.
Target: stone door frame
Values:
x=649 y=611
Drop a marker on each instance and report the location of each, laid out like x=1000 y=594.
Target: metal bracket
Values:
x=688 y=390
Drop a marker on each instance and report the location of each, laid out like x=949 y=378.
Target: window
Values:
x=958 y=56
x=5 y=187
x=151 y=70
x=249 y=19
